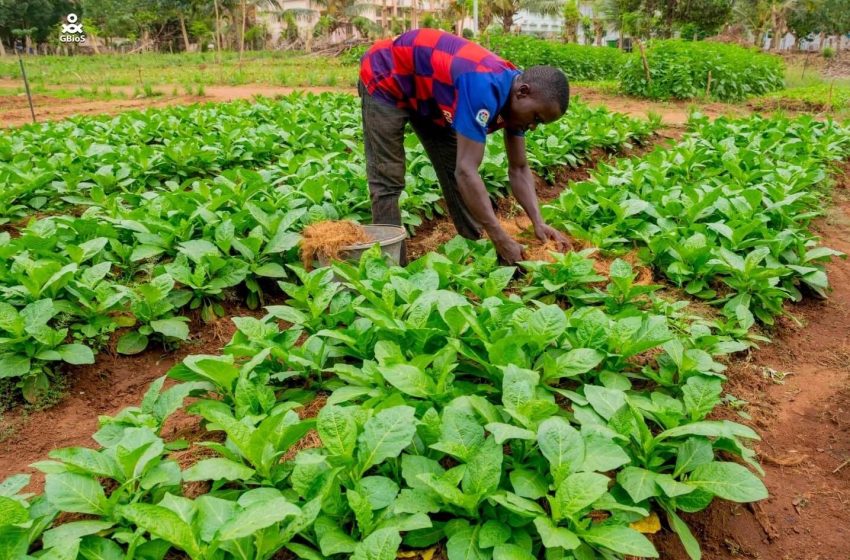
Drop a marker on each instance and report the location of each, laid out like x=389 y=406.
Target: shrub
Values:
x=680 y=70
x=828 y=52
x=577 y=61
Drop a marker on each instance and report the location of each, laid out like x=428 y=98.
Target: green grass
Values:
x=138 y=70
x=93 y=93
x=807 y=90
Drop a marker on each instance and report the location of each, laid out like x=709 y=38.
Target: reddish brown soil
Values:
x=114 y=382
x=798 y=389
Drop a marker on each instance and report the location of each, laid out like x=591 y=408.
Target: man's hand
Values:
x=510 y=251
x=545 y=232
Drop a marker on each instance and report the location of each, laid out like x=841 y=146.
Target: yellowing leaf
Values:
x=427 y=554
x=648 y=525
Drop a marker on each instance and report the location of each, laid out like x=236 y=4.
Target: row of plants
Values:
x=127 y=247
x=724 y=214
x=579 y=62
x=687 y=70
x=556 y=416
x=672 y=69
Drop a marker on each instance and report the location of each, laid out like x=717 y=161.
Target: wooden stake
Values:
x=645 y=63
x=708 y=85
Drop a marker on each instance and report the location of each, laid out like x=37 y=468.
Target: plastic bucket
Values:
x=390 y=238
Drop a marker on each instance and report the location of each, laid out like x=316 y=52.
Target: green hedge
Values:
x=577 y=61
x=680 y=69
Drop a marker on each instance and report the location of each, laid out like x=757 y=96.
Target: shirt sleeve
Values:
x=477 y=105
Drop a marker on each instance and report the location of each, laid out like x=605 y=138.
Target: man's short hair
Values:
x=551 y=82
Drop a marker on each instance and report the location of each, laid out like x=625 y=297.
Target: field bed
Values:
x=500 y=375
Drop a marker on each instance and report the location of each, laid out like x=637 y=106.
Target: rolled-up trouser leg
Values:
x=441 y=145
x=383 y=137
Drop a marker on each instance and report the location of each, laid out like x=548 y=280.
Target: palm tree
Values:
x=506 y=10
x=761 y=15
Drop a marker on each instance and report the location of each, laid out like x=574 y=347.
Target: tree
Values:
x=572 y=18
x=43 y=15
x=702 y=17
x=506 y=10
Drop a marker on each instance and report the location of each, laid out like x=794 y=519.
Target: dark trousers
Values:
x=383 y=134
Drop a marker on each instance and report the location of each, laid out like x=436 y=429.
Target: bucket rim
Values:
x=400 y=236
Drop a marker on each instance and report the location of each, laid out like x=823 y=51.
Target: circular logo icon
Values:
x=72 y=18
x=482 y=117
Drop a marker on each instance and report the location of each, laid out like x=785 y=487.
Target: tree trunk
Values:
x=507 y=22
x=242 y=35
x=91 y=37
x=384 y=27
x=217 y=32
x=185 y=33
x=2 y=48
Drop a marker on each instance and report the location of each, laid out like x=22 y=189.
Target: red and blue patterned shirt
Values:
x=441 y=77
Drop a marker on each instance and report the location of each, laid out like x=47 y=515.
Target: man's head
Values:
x=540 y=95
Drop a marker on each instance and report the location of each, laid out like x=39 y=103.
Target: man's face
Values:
x=526 y=111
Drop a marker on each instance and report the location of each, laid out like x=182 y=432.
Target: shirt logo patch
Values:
x=448 y=116
x=482 y=117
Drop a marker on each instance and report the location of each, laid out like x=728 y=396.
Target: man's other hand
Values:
x=510 y=252
x=545 y=233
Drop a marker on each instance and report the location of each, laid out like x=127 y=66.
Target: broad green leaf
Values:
x=132 y=342
x=511 y=552
x=408 y=379
x=484 y=469
x=379 y=491
x=463 y=545
x=174 y=328
x=256 y=516
x=493 y=533
x=700 y=395
x=579 y=491
x=604 y=401
x=554 y=536
x=729 y=481
x=163 y=523
x=528 y=483
x=695 y=451
x=602 y=454
x=11 y=512
x=562 y=445
x=76 y=354
x=547 y=323
x=100 y=548
x=385 y=435
x=503 y=432
x=75 y=493
x=67 y=533
x=638 y=482
x=217 y=468
x=381 y=545
x=337 y=429
x=620 y=539
x=332 y=539
x=460 y=434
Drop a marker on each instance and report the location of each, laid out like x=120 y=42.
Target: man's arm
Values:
x=469 y=156
x=522 y=186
